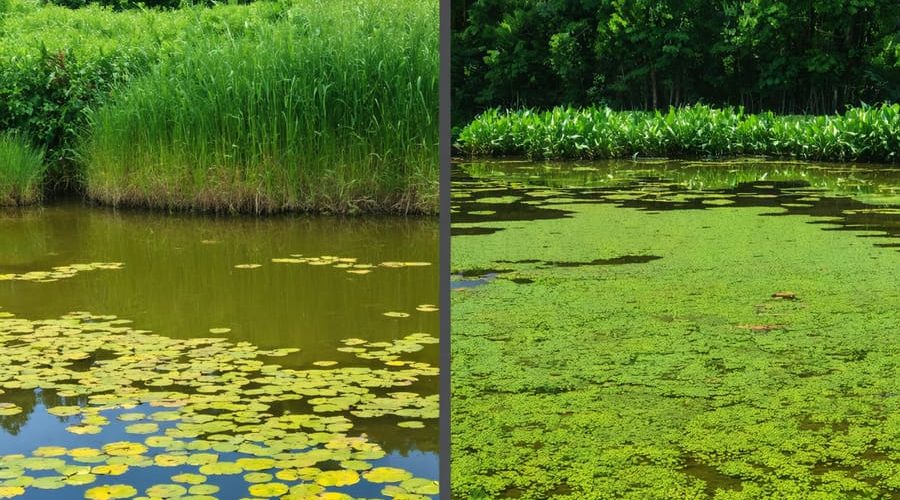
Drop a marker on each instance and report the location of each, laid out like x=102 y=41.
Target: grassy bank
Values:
x=293 y=105
x=333 y=108
x=864 y=134
x=21 y=171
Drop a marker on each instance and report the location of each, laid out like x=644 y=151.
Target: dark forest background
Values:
x=786 y=56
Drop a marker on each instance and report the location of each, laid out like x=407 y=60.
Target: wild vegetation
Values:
x=620 y=332
x=331 y=107
x=869 y=134
x=337 y=113
x=21 y=171
x=786 y=56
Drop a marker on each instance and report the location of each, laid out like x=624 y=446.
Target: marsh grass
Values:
x=865 y=134
x=21 y=171
x=333 y=107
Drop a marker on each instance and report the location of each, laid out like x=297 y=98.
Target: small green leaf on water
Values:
x=223 y=468
x=49 y=451
x=189 y=478
x=411 y=424
x=255 y=464
x=143 y=428
x=203 y=489
x=48 y=483
x=167 y=460
x=124 y=448
x=387 y=475
x=7 y=409
x=268 y=490
x=11 y=491
x=257 y=477
x=219 y=331
x=64 y=411
x=337 y=478
x=248 y=266
x=395 y=314
x=421 y=486
x=107 y=492
x=110 y=469
x=166 y=491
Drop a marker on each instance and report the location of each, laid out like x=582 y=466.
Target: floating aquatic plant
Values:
x=348 y=264
x=187 y=402
x=676 y=377
x=61 y=272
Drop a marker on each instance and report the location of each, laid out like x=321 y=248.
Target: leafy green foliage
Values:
x=870 y=134
x=780 y=55
x=298 y=105
x=334 y=107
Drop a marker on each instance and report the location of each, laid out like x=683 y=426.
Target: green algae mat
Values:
x=659 y=329
x=148 y=356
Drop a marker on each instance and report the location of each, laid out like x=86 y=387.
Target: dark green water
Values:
x=666 y=329
x=179 y=280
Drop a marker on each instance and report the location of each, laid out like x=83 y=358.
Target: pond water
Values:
x=676 y=329
x=216 y=357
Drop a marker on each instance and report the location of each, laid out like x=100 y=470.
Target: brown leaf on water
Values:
x=761 y=328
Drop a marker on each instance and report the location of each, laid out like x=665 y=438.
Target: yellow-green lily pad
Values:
x=107 y=492
x=387 y=475
x=268 y=490
x=337 y=478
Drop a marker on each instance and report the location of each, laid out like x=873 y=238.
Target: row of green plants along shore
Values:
x=869 y=134
x=306 y=105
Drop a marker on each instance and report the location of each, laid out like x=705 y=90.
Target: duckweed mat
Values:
x=756 y=355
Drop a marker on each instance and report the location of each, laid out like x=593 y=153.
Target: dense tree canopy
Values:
x=787 y=56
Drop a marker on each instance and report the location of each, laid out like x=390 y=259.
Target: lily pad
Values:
x=387 y=475
x=110 y=491
x=268 y=490
x=337 y=478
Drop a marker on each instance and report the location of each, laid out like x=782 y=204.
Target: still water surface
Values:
x=178 y=279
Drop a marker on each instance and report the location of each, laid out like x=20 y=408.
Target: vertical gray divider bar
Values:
x=444 y=117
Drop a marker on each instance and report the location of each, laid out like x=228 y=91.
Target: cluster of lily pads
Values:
x=349 y=264
x=200 y=402
x=60 y=272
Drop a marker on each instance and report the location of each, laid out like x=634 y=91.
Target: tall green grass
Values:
x=333 y=107
x=21 y=171
x=864 y=134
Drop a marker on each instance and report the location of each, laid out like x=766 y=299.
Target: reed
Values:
x=860 y=134
x=332 y=107
x=21 y=171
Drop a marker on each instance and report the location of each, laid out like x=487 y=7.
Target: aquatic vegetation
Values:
x=753 y=359
x=349 y=264
x=21 y=171
x=203 y=403
x=333 y=107
x=60 y=272
x=864 y=134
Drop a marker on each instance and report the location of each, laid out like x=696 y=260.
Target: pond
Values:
x=216 y=357
x=675 y=329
